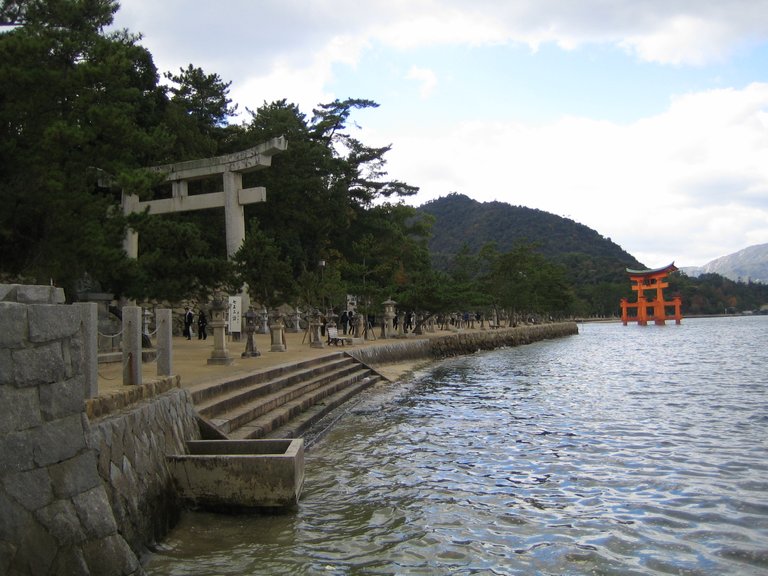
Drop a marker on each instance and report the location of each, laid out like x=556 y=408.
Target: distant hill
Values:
x=461 y=220
x=748 y=264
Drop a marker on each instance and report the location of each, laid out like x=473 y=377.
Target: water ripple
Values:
x=584 y=455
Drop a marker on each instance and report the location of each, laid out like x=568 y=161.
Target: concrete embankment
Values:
x=460 y=343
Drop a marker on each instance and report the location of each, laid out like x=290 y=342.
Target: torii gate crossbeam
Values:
x=233 y=198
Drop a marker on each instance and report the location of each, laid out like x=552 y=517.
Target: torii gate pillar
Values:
x=232 y=199
x=234 y=212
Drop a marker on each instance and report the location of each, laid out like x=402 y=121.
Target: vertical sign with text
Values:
x=235 y=314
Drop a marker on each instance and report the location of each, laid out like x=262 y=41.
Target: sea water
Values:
x=621 y=450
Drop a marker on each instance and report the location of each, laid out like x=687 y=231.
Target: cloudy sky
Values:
x=646 y=120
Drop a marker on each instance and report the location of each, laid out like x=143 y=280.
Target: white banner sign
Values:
x=235 y=314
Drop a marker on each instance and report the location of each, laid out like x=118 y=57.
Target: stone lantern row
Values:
x=273 y=324
x=255 y=322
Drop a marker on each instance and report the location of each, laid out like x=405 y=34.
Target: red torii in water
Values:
x=653 y=308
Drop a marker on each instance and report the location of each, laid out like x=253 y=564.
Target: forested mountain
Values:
x=460 y=222
x=594 y=266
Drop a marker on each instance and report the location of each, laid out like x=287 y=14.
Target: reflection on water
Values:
x=623 y=450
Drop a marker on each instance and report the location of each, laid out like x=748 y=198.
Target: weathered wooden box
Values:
x=229 y=475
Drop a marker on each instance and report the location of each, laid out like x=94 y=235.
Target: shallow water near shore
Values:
x=622 y=450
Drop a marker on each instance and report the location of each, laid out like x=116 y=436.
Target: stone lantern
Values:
x=276 y=329
x=250 y=328
x=357 y=325
x=296 y=328
x=220 y=355
x=387 y=329
x=315 y=339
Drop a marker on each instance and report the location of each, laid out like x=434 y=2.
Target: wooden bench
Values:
x=335 y=338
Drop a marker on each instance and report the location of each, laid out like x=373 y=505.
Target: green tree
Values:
x=525 y=282
x=175 y=262
x=260 y=266
x=199 y=111
x=300 y=213
x=320 y=200
x=205 y=97
x=75 y=103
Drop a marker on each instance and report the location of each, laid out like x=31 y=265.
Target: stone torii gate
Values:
x=232 y=199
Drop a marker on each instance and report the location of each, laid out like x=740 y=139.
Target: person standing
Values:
x=188 y=319
x=202 y=322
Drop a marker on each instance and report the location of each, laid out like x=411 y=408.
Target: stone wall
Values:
x=462 y=343
x=130 y=447
x=77 y=496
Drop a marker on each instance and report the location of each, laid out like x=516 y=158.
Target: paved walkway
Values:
x=190 y=360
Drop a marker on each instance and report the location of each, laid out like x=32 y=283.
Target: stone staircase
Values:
x=284 y=401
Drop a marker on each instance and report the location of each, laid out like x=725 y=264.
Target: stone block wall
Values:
x=76 y=496
x=130 y=447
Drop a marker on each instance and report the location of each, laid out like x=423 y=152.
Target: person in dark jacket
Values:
x=202 y=322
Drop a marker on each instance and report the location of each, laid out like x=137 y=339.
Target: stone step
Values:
x=241 y=414
x=203 y=392
x=250 y=390
x=309 y=401
x=300 y=425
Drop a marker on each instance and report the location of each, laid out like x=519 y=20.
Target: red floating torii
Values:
x=650 y=308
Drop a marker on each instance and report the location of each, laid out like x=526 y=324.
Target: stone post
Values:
x=220 y=355
x=90 y=314
x=164 y=342
x=132 y=345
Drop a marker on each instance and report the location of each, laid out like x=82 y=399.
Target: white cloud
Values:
x=687 y=185
x=682 y=32
x=678 y=40
x=238 y=35
x=302 y=84
x=426 y=78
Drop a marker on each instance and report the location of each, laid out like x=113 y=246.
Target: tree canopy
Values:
x=83 y=113
x=75 y=104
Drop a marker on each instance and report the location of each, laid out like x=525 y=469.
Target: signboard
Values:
x=235 y=314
